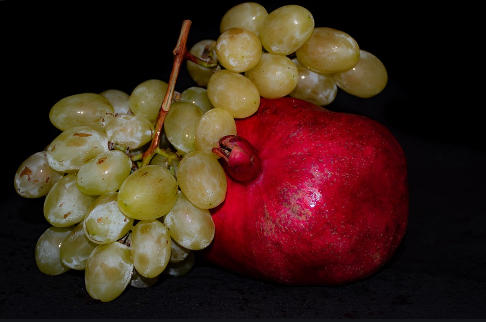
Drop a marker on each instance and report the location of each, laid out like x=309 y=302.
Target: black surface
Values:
x=50 y=52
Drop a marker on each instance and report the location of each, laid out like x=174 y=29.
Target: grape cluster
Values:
x=126 y=221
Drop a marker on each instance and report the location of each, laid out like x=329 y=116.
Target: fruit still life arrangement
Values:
x=248 y=170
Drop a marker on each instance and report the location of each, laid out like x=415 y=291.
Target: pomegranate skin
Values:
x=329 y=207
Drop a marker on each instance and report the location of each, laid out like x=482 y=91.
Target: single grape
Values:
x=148 y=193
x=108 y=271
x=74 y=147
x=34 y=177
x=286 y=29
x=202 y=49
x=366 y=79
x=119 y=100
x=140 y=281
x=47 y=250
x=104 y=173
x=274 y=76
x=238 y=50
x=197 y=96
x=214 y=124
x=190 y=226
x=76 y=248
x=181 y=268
x=180 y=126
x=177 y=252
x=328 y=50
x=104 y=222
x=234 y=93
x=202 y=180
x=130 y=131
x=246 y=15
x=80 y=109
x=150 y=247
x=147 y=97
x=65 y=205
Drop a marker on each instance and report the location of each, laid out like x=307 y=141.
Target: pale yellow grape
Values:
x=75 y=147
x=180 y=126
x=119 y=100
x=181 y=268
x=48 y=248
x=238 y=50
x=201 y=49
x=130 y=131
x=319 y=89
x=178 y=253
x=274 y=76
x=140 y=281
x=104 y=222
x=198 y=96
x=246 y=15
x=147 y=97
x=202 y=180
x=104 y=173
x=150 y=247
x=169 y=163
x=329 y=50
x=34 y=177
x=214 y=124
x=80 y=109
x=76 y=248
x=190 y=226
x=65 y=205
x=234 y=93
x=148 y=193
x=366 y=79
x=108 y=271
x=286 y=29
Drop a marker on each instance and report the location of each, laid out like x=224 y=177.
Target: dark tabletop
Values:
x=439 y=270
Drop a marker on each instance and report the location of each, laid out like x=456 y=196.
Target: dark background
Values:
x=51 y=51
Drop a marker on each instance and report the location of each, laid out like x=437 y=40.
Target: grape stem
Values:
x=180 y=54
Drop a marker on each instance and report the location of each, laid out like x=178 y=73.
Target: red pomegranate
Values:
x=328 y=206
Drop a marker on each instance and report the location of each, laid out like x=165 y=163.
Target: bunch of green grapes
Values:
x=124 y=221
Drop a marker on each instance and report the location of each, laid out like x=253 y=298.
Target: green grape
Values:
x=148 y=193
x=104 y=173
x=274 y=76
x=80 y=109
x=329 y=51
x=233 y=92
x=246 y=15
x=76 y=248
x=214 y=124
x=202 y=180
x=65 y=205
x=47 y=250
x=169 y=163
x=74 y=147
x=319 y=89
x=130 y=131
x=177 y=252
x=150 y=247
x=119 y=100
x=140 y=281
x=190 y=226
x=181 y=268
x=34 y=177
x=366 y=79
x=238 y=50
x=180 y=126
x=201 y=74
x=198 y=96
x=104 y=223
x=108 y=271
x=147 y=97
x=286 y=29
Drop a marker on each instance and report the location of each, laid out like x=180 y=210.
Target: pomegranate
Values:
x=329 y=205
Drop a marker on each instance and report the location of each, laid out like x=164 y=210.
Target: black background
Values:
x=51 y=51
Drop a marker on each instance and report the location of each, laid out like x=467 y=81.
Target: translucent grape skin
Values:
x=76 y=248
x=246 y=15
x=214 y=124
x=238 y=50
x=181 y=268
x=197 y=96
x=108 y=271
x=180 y=126
x=130 y=131
x=47 y=250
x=201 y=74
x=34 y=177
x=119 y=100
x=146 y=98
